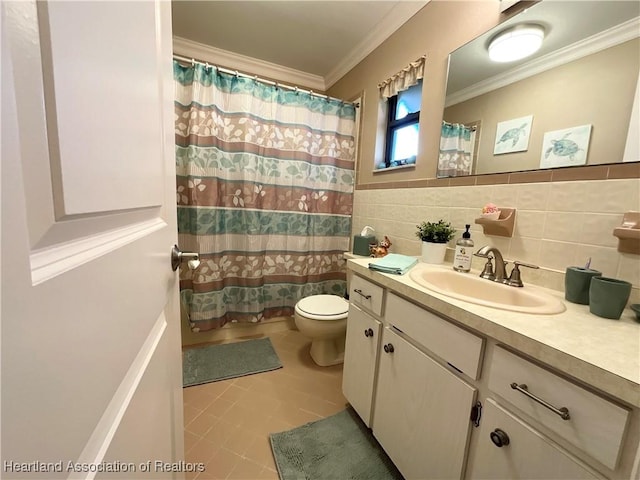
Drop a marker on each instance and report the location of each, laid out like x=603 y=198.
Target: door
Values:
x=90 y=352
x=360 y=358
x=421 y=413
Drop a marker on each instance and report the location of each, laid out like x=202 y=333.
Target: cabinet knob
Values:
x=388 y=348
x=368 y=332
x=499 y=438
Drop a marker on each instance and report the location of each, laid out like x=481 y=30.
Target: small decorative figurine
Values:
x=381 y=249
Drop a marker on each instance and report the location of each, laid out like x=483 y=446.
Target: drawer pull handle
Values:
x=368 y=332
x=359 y=292
x=499 y=438
x=562 y=412
x=388 y=348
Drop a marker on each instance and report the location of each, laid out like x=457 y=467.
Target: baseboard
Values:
x=236 y=331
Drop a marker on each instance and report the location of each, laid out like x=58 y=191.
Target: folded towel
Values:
x=393 y=263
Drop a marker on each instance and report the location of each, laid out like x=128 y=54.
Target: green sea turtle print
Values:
x=513 y=134
x=563 y=148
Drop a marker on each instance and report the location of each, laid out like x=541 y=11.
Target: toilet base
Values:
x=327 y=352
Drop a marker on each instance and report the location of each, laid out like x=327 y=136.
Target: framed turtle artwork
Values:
x=565 y=148
x=513 y=135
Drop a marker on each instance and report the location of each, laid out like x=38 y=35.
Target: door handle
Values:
x=178 y=256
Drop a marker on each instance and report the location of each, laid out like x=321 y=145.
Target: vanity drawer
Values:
x=366 y=295
x=595 y=425
x=460 y=348
x=510 y=449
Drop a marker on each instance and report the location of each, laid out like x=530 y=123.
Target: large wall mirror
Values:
x=570 y=103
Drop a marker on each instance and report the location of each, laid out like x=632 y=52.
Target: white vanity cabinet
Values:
x=360 y=361
x=422 y=411
x=417 y=406
x=414 y=376
x=361 y=346
x=510 y=449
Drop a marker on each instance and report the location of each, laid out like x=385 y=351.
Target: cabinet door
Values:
x=528 y=454
x=422 y=412
x=360 y=355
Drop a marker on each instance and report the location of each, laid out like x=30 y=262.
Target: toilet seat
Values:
x=323 y=307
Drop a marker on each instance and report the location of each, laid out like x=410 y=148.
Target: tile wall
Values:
x=558 y=224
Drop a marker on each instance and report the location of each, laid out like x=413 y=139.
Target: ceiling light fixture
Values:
x=516 y=42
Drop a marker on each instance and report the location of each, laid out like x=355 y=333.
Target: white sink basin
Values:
x=471 y=288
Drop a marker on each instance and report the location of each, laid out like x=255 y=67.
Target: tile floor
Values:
x=227 y=423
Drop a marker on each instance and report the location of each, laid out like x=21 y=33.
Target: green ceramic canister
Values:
x=608 y=297
x=577 y=281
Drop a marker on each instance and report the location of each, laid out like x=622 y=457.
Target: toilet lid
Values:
x=323 y=307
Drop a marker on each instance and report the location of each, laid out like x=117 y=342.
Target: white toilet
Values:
x=323 y=319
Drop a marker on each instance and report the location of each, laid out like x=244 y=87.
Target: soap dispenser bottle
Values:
x=464 y=251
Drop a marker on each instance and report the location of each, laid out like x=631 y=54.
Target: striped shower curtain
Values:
x=455 y=150
x=265 y=195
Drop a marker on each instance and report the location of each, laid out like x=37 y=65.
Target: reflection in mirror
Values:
x=535 y=112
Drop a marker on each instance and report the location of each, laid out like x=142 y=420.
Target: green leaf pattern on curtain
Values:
x=264 y=192
x=208 y=162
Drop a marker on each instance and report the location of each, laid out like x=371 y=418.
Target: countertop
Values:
x=600 y=352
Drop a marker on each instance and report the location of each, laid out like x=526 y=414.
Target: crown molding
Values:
x=245 y=64
x=609 y=38
x=397 y=17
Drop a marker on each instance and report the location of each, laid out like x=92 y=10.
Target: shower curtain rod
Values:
x=183 y=59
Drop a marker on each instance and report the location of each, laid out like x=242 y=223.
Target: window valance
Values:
x=405 y=78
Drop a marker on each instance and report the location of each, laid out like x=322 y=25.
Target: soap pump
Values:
x=464 y=251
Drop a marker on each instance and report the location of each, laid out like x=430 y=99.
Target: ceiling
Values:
x=566 y=24
x=321 y=38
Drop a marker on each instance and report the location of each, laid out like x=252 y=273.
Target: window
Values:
x=401 y=94
x=403 y=115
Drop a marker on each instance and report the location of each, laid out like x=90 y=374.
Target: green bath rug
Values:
x=337 y=447
x=229 y=360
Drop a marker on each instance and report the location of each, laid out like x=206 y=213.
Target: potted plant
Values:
x=434 y=236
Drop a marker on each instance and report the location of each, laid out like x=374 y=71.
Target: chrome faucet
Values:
x=497 y=275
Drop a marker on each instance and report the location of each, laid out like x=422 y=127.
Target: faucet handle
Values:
x=522 y=264
x=487 y=272
x=514 y=279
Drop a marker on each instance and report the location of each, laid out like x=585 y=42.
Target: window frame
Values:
x=393 y=125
